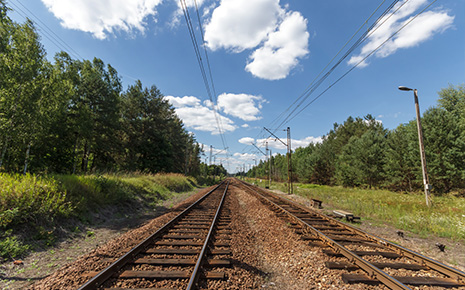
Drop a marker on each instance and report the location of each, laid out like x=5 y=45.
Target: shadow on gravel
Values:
x=248 y=268
x=6 y=279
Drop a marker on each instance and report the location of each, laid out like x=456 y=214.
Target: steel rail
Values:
x=372 y=271
x=201 y=259
x=423 y=260
x=106 y=273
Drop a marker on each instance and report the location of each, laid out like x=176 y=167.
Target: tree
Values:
x=445 y=149
x=400 y=158
x=22 y=102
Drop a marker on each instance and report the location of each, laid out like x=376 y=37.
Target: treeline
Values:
x=72 y=116
x=361 y=152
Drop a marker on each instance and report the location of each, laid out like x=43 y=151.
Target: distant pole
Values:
x=270 y=170
x=289 y=162
x=269 y=167
x=288 y=155
x=422 y=147
x=255 y=171
x=211 y=151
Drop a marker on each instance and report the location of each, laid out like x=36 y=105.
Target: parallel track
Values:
x=362 y=250
x=178 y=254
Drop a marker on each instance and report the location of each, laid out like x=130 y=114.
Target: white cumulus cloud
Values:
x=103 y=17
x=424 y=27
x=280 y=53
x=243 y=106
x=241 y=24
x=279 y=37
x=246 y=140
x=276 y=144
x=199 y=117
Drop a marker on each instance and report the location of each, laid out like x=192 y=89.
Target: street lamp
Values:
x=422 y=148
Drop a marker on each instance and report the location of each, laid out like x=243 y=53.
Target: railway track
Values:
x=367 y=258
x=193 y=246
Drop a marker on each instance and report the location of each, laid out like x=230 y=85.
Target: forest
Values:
x=73 y=116
x=362 y=153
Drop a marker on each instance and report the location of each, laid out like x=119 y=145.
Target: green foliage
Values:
x=11 y=246
x=72 y=116
x=29 y=198
x=37 y=203
x=361 y=153
x=404 y=211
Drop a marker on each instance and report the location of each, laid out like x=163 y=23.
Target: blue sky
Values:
x=263 y=55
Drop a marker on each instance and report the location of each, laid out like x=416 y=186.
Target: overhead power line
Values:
x=365 y=58
x=209 y=86
x=316 y=82
x=47 y=32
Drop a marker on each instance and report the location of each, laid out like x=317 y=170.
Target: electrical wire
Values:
x=375 y=26
x=202 y=67
x=47 y=33
x=317 y=82
x=366 y=57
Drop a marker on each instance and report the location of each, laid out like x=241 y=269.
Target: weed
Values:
x=90 y=234
x=11 y=246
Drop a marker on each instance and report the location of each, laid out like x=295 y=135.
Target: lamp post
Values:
x=422 y=147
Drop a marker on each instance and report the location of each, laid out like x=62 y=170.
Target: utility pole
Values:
x=289 y=162
x=288 y=155
x=266 y=157
x=422 y=147
x=211 y=151
x=255 y=171
x=269 y=184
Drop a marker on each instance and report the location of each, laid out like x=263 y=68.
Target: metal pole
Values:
x=270 y=169
x=422 y=151
x=290 y=189
x=211 y=151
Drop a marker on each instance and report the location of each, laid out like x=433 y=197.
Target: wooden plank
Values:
x=390 y=255
x=178 y=262
x=194 y=223
x=186 y=251
x=310 y=238
x=220 y=252
x=155 y=274
x=191 y=227
x=416 y=281
x=183 y=262
x=180 y=237
x=339 y=232
x=351 y=267
x=167 y=275
x=173 y=251
x=179 y=243
x=347 y=239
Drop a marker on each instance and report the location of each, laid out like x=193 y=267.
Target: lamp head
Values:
x=402 y=88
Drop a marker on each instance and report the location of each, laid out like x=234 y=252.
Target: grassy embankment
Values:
x=446 y=218
x=32 y=207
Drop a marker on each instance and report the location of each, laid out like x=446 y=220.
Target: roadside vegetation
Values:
x=33 y=208
x=446 y=217
x=66 y=123
x=362 y=153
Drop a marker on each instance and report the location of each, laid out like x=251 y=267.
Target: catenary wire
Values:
x=366 y=57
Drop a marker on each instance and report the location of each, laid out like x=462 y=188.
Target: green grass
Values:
x=446 y=218
x=37 y=202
